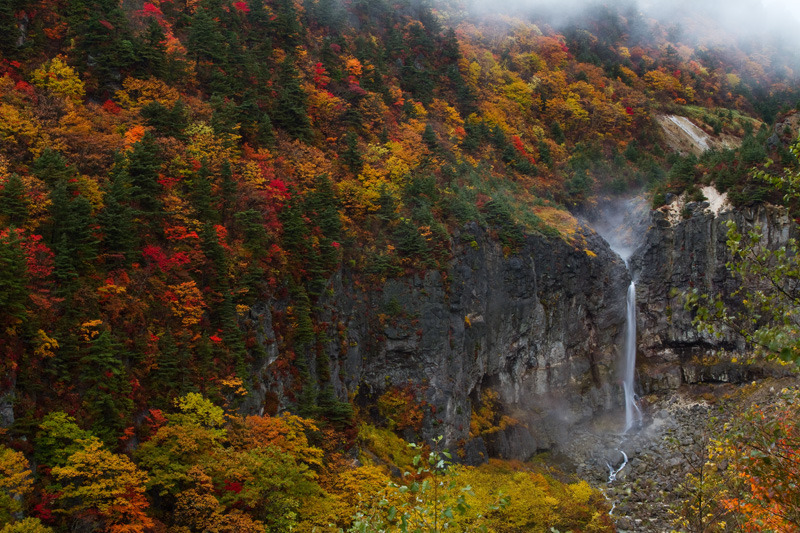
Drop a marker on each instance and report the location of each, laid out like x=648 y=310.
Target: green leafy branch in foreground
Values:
x=765 y=308
x=432 y=501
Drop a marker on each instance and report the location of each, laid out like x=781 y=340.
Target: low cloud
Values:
x=694 y=21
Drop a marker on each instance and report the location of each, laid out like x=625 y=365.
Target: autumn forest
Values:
x=167 y=166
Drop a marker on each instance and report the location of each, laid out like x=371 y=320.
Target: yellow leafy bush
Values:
x=383 y=445
x=486 y=418
x=58 y=77
x=137 y=93
x=16 y=481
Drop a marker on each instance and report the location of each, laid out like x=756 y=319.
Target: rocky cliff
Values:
x=680 y=254
x=540 y=327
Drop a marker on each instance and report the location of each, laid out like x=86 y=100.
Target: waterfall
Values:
x=622 y=222
x=633 y=415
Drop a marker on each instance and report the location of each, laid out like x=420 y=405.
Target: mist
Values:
x=694 y=22
x=621 y=221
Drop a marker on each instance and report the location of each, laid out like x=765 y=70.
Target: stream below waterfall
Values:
x=642 y=473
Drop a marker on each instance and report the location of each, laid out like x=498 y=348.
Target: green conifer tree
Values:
x=14 y=202
x=106 y=387
x=9 y=27
x=151 y=53
x=52 y=168
x=13 y=272
x=351 y=156
x=166 y=122
x=205 y=41
x=429 y=138
x=290 y=113
x=116 y=218
x=202 y=197
x=143 y=167
x=72 y=236
x=286 y=27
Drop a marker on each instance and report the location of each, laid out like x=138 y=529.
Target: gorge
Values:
x=545 y=328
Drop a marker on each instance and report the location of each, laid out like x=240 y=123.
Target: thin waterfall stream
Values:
x=633 y=415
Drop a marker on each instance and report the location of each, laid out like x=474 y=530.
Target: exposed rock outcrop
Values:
x=679 y=256
x=540 y=327
x=686 y=137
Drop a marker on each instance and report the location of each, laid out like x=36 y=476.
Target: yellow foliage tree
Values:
x=16 y=482
x=137 y=93
x=58 y=77
x=188 y=304
x=287 y=433
x=98 y=483
x=26 y=525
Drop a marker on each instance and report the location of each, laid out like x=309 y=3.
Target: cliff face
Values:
x=539 y=327
x=678 y=256
x=542 y=328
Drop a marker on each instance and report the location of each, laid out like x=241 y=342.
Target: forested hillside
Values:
x=166 y=165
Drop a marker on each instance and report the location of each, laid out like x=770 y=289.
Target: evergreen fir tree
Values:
x=52 y=168
x=202 y=195
x=328 y=13
x=14 y=202
x=205 y=41
x=9 y=27
x=102 y=38
x=225 y=118
x=171 y=373
x=557 y=133
x=116 y=218
x=265 y=133
x=71 y=223
x=286 y=26
x=337 y=412
x=151 y=57
x=105 y=395
x=429 y=137
x=79 y=230
x=13 y=272
x=290 y=113
x=251 y=225
x=295 y=230
x=232 y=333
x=143 y=167
x=351 y=156
x=166 y=122
x=64 y=268
x=228 y=190
x=323 y=207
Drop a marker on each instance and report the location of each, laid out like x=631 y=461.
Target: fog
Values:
x=707 y=22
x=621 y=221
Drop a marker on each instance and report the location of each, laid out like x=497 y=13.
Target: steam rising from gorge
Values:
x=622 y=222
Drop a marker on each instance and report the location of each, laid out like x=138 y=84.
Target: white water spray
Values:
x=633 y=416
x=612 y=473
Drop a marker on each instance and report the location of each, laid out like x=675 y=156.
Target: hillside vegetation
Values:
x=165 y=165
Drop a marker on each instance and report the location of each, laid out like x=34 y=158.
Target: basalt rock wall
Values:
x=540 y=326
x=679 y=256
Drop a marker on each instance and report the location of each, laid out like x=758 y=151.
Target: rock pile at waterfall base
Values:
x=660 y=454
